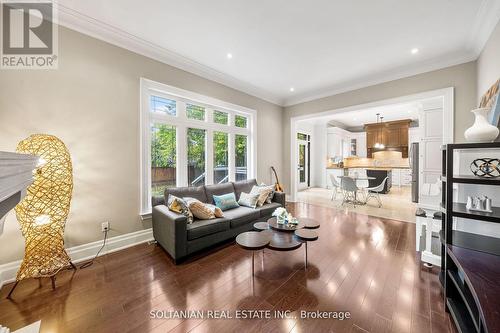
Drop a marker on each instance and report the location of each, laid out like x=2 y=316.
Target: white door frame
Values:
x=448 y=119
x=297 y=142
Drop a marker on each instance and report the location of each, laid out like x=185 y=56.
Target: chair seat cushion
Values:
x=268 y=209
x=241 y=215
x=201 y=228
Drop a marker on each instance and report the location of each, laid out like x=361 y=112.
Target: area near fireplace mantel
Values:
x=16 y=174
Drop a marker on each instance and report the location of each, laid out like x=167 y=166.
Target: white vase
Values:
x=481 y=130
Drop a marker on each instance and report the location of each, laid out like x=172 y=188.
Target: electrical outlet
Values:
x=104 y=226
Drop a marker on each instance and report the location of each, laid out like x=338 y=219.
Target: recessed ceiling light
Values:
x=414 y=51
x=292 y=89
x=229 y=55
x=355 y=119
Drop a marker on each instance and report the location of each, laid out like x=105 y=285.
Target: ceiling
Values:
x=357 y=118
x=318 y=47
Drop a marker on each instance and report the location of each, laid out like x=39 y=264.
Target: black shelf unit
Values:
x=460 y=297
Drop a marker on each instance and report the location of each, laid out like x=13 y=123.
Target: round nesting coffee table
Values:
x=306 y=235
x=282 y=241
x=261 y=226
x=278 y=237
x=253 y=241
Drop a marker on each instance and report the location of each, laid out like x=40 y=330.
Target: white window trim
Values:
x=148 y=88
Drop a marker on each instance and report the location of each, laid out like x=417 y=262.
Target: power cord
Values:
x=91 y=262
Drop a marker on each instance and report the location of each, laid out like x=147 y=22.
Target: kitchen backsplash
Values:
x=380 y=159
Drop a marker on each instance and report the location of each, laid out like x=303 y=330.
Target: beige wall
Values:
x=488 y=63
x=92 y=103
x=461 y=77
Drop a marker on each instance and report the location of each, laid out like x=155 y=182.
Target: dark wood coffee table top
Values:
x=253 y=240
x=273 y=223
x=306 y=235
x=309 y=223
x=282 y=241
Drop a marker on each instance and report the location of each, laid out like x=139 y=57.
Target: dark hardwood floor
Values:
x=365 y=265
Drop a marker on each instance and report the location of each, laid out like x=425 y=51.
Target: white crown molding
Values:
x=382 y=77
x=85 y=252
x=87 y=25
x=486 y=19
x=485 y=22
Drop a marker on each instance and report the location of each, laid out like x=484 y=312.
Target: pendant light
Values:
x=377 y=144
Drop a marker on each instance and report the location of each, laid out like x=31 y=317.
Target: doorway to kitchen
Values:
x=304 y=160
x=373 y=151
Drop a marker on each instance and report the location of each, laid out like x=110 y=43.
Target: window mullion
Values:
x=209 y=158
x=231 y=157
x=182 y=173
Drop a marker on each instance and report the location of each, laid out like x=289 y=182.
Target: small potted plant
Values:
x=281 y=215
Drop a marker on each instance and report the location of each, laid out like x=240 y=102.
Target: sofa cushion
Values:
x=244 y=186
x=218 y=189
x=241 y=215
x=200 y=228
x=267 y=209
x=192 y=192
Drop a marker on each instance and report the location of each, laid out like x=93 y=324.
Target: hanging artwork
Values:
x=491 y=100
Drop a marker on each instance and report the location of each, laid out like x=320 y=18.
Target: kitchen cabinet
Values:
x=393 y=137
x=338 y=142
x=401 y=177
x=392 y=134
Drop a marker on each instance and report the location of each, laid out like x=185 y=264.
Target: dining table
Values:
x=358 y=179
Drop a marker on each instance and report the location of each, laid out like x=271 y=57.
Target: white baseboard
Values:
x=430 y=258
x=86 y=251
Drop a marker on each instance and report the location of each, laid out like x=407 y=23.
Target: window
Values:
x=196 y=156
x=189 y=139
x=221 y=158
x=195 y=112
x=302 y=136
x=163 y=158
x=240 y=121
x=163 y=105
x=220 y=117
x=241 y=147
x=302 y=163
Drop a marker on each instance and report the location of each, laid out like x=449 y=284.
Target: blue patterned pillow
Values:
x=226 y=201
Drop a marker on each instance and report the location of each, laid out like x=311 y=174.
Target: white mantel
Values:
x=16 y=174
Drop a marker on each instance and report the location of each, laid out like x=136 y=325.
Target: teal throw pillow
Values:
x=226 y=201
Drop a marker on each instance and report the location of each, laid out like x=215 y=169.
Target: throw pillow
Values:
x=263 y=193
x=271 y=195
x=226 y=201
x=249 y=199
x=216 y=210
x=179 y=206
x=199 y=209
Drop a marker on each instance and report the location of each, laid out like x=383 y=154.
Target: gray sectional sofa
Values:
x=180 y=239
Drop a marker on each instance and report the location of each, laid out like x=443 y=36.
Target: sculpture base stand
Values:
x=52 y=279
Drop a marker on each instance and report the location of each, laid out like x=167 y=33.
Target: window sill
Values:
x=146 y=216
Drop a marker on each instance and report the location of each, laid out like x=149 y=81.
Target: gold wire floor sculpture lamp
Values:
x=43 y=212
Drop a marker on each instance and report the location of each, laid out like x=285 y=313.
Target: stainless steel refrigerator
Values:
x=413 y=159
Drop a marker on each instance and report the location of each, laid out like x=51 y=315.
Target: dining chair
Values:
x=349 y=188
x=374 y=192
x=335 y=185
